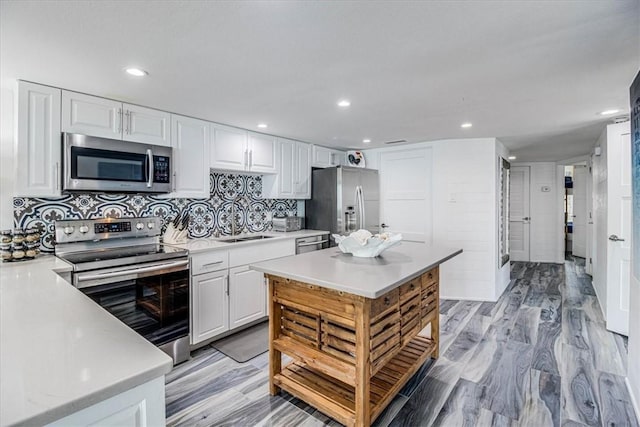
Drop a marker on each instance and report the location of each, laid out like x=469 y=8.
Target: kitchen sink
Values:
x=244 y=239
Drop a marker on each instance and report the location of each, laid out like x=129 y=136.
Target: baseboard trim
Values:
x=468 y=299
x=634 y=401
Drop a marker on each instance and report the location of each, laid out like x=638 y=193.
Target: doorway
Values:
x=519 y=216
x=576 y=213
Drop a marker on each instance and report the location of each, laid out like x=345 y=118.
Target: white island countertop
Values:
x=206 y=244
x=367 y=277
x=60 y=351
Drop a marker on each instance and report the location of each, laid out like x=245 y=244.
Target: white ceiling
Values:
x=532 y=73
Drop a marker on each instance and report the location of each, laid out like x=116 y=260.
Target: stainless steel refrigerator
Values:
x=344 y=199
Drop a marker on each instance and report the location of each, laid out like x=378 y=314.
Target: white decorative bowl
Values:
x=372 y=247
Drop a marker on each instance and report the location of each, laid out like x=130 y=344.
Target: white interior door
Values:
x=405 y=184
x=579 y=243
x=619 y=230
x=519 y=219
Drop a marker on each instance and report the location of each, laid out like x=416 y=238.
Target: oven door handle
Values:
x=86 y=277
x=150 y=167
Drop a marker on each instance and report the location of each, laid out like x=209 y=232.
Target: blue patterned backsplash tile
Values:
x=207 y=216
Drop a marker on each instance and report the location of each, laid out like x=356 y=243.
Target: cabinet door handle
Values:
x=246 y=159
x=174 y=181
x=127 y=129
x=226 y=279
x=250 y=159
x=120 y=120
x=57 y=175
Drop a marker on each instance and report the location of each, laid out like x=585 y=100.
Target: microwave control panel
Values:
x=161 y=169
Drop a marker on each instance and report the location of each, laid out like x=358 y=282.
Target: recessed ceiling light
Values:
x=136 y=72
x=366 y=141
x=466 y=125
x=344 y=103
x=607 y=112
x=511 y=157
x=262 y=125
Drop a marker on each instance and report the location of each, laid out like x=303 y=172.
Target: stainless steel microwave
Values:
x=108 y=165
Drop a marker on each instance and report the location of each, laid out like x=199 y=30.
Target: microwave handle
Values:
x=149 y=168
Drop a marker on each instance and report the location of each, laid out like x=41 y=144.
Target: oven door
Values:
x=100 y=164
x=152 y=299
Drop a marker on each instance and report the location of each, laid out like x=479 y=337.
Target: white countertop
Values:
x=60 y=351
x=211 y=243
x=368 y=277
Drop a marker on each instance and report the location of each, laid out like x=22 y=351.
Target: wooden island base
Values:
x=351 y=354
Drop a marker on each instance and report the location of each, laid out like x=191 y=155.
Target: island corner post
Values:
x=351 y=354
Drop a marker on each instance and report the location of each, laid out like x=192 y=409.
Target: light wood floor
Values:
x=540 y=356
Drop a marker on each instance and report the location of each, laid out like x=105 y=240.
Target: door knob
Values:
x=615 y=238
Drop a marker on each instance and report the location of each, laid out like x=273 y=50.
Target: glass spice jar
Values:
x=5 y=251
x=18 y=251
x=18 y=236
x=32 y=235
x=6 y=236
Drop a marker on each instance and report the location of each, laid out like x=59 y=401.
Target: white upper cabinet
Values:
x=293 y=180
x=190 y=142
x=262 y=153
x=95 y=116
x=146 y=125
x=228 y=148
x=323 y=157
x=302 y=179
x=234 y=149
x=91 y=115
x=38 y=151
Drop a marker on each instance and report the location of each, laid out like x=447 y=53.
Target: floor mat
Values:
x=245 y=345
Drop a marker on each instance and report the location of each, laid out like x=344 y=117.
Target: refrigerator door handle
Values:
x=364 y=217
x=360 y=200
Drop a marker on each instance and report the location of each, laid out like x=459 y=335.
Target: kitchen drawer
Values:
x=261 y=251
x=385 y=303
x=409 y=290
x=209 y=261
x=430 y=278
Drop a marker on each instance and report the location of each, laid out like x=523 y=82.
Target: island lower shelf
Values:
x=351 y=354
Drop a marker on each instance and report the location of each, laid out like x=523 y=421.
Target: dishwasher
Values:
x=313 y=243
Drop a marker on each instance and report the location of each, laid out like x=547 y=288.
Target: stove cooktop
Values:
x=113 y=257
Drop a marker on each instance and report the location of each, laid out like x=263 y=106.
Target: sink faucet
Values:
x=233 y=213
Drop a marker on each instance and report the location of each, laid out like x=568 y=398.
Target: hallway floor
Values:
x=540 y=356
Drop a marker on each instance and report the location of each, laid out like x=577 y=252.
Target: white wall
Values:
x=7 y=171
x=545 y=212
x=464 y=203
x=599 y=200
x=503 y=273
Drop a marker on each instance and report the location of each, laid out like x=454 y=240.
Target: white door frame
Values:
x=524 y=218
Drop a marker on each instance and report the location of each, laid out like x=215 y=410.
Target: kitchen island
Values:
x=352 y=325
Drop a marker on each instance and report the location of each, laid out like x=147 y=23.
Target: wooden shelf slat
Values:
x=316 y=359
x=335 y=398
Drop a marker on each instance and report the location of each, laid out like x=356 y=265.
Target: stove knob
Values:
x=83 y=229
x=151 y=225
x=139 y=226
x=68 y=229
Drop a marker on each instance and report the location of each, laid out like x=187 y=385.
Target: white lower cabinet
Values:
x=143 y=405
x=233 y=295
x=210 y=305
x=247 y=296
